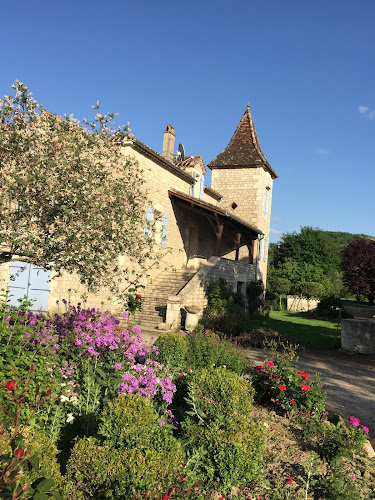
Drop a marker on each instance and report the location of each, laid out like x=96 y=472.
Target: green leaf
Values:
x=40 y=496
x=45 y=485
x=34 y=462
x=7 y=493
x=56 y=495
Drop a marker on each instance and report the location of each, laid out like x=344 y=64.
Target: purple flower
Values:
x=117 y=366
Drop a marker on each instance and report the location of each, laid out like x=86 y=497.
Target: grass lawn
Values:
x=313 y=333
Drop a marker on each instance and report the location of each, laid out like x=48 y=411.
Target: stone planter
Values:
x=192 y=317
x=192 y=309
x=359 y=310
x=358 y=335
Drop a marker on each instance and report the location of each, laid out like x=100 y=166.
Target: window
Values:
x=165 y=231
x=260 y=249
x=32 y=281
x=202 y=188
x=147 y=231
x=193 y=186
x=265 y=203
x=265 y=250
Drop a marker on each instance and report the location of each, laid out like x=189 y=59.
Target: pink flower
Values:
x=139 y=296
x=259 y=368
x=270 y=363
x=354 y=421
x=189 y=369
x=366 y=429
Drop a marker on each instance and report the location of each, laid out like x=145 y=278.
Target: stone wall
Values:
x=296 y=303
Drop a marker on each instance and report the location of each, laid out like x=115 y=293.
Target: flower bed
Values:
x=186 y=418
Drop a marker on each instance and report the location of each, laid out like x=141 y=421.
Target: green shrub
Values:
x=129 y=421
x=172 y=350
x=207 y=349
x=225 y=309
x=310 y=289
x=219 y=398
x=99 y=471
x=225 y=458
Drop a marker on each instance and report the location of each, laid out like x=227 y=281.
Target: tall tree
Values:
x=69 y=199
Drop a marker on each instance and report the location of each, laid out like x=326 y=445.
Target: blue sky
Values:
x=307 y=68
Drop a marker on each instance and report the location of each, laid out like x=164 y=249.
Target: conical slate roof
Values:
x=243 y=149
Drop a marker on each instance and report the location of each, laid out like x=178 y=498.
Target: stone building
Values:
x=201 y=232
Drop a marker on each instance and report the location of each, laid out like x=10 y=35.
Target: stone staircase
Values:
x=155 y=296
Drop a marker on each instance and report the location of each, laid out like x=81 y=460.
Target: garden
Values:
x=88 y=410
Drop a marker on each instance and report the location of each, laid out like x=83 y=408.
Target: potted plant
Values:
x=358 y=264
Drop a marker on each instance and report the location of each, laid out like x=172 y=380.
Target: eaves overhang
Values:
x=236 y=221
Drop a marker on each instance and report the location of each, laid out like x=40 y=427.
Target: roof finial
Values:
x=248 y=106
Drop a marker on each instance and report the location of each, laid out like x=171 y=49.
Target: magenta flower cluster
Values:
x=355 y=423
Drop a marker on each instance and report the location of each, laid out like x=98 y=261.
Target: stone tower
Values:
x=242 y=174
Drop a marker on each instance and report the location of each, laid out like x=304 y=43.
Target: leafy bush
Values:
x=121 y=430
x=310 y=289
x=225 y=458
x=218 y=398
x=358 y=264
x=225 y=309
x=254 y=292
x=207 y=349
x=96 y=471
x=279 y=385
x=172 y=350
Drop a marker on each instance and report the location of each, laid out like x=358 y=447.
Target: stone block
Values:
x=358 y=335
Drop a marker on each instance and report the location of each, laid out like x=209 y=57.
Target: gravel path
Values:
x=349 y=381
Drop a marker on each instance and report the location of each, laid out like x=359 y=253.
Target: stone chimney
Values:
x=168 y=143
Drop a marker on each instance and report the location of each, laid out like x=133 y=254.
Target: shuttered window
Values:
x=193 y=187
x=260 y=249
x=147 y=231
x=202 y=187
x=265 y=249
x=165 y=231
x=265 y=203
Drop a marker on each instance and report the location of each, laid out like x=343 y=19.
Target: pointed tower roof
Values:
x=243 y=149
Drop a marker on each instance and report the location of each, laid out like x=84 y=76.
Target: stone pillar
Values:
x=358 y=335
x=173 y=317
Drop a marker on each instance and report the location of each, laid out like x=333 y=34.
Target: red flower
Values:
x=282 y=388
x=305 y=388
x=305 y=376
x=291 y=401
x=19 y=452
x=292 y=355
x=139 y=296
x=274 y=400
x=48 y=392
x=11 y=385
x=166 y=497
x=270 y=363
x=290 y=480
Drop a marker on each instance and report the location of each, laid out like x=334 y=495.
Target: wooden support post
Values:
x=237 y=242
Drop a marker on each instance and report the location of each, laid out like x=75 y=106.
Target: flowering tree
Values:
x=358 y=264
x=69 y=199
